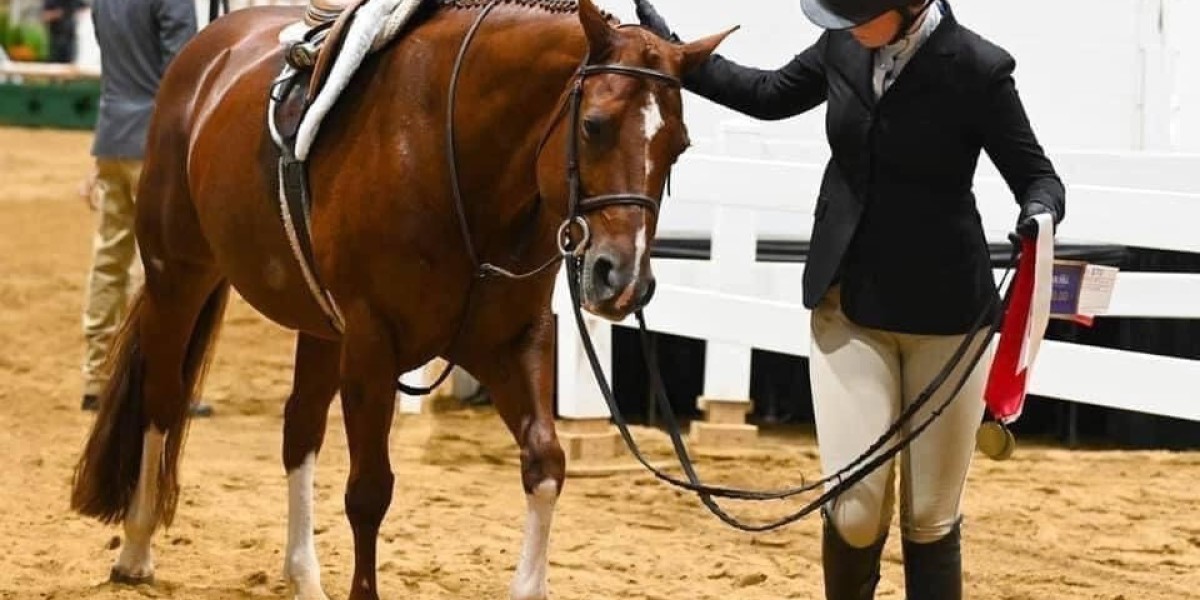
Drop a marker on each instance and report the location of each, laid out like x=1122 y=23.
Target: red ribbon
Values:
x=1007 y=380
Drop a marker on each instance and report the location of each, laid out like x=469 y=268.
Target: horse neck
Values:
x=531 y=59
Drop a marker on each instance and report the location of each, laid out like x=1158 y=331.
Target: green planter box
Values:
x=62 y=105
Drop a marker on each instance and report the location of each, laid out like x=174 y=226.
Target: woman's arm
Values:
x=797 y=87
x=1009 y=140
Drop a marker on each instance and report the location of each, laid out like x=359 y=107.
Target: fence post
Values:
x=726 y=399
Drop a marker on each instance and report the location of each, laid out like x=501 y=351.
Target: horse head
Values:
x=622 y=133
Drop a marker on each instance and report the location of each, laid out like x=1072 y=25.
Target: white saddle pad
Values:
x=376 y=23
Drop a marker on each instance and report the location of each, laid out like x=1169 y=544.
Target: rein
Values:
x=838 y=482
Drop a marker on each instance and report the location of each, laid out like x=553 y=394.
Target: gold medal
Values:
x=996 y=441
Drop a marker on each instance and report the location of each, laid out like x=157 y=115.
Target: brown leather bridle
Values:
x=578 y=203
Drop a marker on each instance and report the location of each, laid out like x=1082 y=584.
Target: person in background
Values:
x=137 y=39
x=899 y=269
x=59 y=18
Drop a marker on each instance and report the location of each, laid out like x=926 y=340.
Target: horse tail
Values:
x=106 y=475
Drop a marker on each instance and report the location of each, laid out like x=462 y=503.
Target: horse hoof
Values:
x=532 y=593
x=309 y=594
x=119 y=576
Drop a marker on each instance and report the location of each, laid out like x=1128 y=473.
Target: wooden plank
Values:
x=47 y=71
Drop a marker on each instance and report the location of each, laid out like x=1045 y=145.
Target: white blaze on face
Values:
x=652 y=124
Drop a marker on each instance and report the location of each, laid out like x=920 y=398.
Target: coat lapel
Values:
x=854 y=63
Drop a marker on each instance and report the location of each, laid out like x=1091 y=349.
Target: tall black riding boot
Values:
x=934 y=571
x=850 y=573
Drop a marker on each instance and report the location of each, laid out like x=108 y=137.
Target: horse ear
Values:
x=695 y=53
x=599 y=33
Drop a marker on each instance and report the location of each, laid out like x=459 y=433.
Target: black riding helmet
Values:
x=847 y=14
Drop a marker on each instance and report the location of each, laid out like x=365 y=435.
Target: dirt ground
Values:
x=1047 y=525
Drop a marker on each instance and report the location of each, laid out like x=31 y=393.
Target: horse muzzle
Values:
x=614 y=286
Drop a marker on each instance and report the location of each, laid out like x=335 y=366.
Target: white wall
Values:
x=1094 y=74
x=1182 y=16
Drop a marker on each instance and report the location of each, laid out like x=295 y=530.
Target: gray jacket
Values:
x=137 y=39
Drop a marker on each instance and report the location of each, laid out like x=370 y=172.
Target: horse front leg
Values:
x=368 y=405
x=521 y=383
x=315 y=383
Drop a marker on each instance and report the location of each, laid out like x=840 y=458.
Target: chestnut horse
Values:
x=389 y=247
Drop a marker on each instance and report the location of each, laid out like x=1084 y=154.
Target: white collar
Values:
x=907 y=46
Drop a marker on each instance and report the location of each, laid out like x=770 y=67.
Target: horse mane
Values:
x=551 y=6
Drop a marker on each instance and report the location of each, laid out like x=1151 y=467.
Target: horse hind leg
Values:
x=315 y=383
x=128 y=471
x=521 y=383
x=178 y=330
x=135 y=564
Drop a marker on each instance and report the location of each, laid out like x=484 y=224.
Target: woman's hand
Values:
x=1026 y=225
x=650 y=19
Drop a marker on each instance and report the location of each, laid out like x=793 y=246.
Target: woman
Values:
x=899 y=268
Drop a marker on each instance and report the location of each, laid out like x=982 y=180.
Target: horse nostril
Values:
x=605 y=274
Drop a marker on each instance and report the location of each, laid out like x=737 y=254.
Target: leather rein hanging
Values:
x=836 y=483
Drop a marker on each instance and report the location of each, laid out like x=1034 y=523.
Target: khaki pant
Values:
x=114 y=272
x=861 y=379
